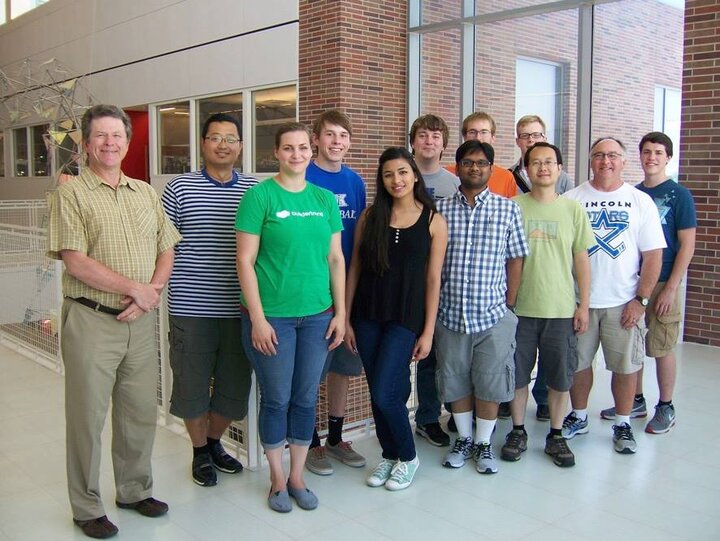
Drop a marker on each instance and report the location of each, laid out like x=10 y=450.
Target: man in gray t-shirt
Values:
x=428 y=138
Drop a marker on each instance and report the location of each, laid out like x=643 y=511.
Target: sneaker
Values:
x=461 y=450
x=433 y=433
x=451 y=426
x=504 y=410
x=344 y=452
x=572 y=425
x=381 y=473
x=515 y=445
x=624 y=440
x=402 y=474
x=485 y=458
x=557 y=448
x=223 y=461
x=543 y=412
x=317 y=462
x=203 y=472
x=639 y=411
x=662 y=421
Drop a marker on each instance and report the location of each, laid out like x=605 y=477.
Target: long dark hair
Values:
x=374 y=242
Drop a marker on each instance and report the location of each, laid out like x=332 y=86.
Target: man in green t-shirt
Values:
x=549 y=318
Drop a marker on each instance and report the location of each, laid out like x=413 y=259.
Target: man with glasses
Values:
x=627 y=230
x=677 y=216
x=549 y=318
x=480 y=126
x=530 y=129
x=211 y=375
x=475 y=330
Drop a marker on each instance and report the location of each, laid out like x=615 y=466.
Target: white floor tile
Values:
x=667 y=491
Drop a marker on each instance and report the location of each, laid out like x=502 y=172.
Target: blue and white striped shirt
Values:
x=204 y=279
x=481 y=239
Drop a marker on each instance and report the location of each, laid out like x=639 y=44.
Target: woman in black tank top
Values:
x=392 y=299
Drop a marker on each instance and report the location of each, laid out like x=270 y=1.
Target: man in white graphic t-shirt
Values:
x=627 y=229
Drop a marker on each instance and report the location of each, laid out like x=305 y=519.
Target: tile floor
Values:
x=669 y=490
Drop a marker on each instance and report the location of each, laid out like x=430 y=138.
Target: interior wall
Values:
x=138 y=53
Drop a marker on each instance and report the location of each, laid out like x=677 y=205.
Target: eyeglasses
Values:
x=537 y=164
x=482 y=164
x=475 y=133
x=229 y=139
x=534 y=135
x=612 y=156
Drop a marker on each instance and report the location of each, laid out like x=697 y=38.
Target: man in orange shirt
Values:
x=481 y=127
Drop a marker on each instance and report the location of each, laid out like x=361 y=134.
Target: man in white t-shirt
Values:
x=627 y=229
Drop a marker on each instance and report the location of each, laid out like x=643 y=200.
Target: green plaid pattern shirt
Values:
x=124 y=228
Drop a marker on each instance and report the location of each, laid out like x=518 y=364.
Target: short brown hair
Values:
x=480 y=115
x=527 y=119
x=431 y=123
x=287 y=128
x=101 y=111
x=332 y=116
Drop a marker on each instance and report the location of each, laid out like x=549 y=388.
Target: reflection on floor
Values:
x=669 y=490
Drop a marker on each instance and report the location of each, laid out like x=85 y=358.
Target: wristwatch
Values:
x=642 y=300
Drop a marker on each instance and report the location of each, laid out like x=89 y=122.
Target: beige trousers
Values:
x=105 y=359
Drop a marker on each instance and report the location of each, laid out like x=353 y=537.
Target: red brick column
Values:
x=700 y=165
x=353 y=56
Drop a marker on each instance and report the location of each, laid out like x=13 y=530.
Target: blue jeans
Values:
x=428 y=408
x=386 y=351
x=289 y=379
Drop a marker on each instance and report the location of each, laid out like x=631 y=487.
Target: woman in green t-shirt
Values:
x=292 y=274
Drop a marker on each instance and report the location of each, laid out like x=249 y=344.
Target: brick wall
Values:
x=700 y=165
x=353 y=56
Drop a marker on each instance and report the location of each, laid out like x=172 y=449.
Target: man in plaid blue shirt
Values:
x=475 y=331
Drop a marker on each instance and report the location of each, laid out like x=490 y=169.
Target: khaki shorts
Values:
x=479 y=364
x=622 y=348
x=663 y=331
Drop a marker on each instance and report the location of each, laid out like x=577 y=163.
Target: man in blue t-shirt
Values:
x=332 y=132
x=677 y=216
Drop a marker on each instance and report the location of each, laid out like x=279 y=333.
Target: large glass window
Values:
x=271 y=107
x=174 y=138
x=20 y=152
x=667 y=120
x=515 y=76
x=229 y=105
x=538 y=91
x=627 y=70
x=18 y=7
x=40 y=151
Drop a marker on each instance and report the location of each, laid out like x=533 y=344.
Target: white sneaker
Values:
x=402 y=474
x=381 y=473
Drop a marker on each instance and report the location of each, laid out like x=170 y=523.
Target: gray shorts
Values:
x=479 y=364
x=341 y=361
x=554 y=343
x=210 y=369
x=623 y=349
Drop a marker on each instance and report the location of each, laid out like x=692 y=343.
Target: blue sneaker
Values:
x=572 y=425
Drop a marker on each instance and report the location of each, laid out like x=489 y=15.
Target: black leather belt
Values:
x=97 y=306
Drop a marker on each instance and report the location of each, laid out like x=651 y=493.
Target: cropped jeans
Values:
x=289 y=380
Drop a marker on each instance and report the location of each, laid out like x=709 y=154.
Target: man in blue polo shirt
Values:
x=211 y=375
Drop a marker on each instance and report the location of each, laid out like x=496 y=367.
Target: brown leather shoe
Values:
x=97 y=528
x=149 y=507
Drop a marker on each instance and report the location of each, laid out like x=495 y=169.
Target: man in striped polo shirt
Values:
x=211 y=375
